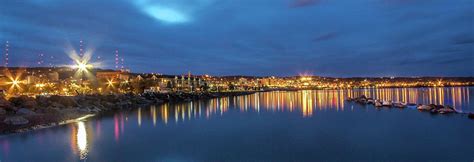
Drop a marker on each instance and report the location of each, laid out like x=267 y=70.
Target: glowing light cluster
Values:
x=82 y=65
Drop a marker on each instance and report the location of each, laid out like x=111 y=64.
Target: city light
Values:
x=82 y=66
x=110 y=83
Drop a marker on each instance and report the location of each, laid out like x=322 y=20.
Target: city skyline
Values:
x=280 y=38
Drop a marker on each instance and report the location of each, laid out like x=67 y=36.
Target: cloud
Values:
x=326 y=36
x=304 y=3
x=250 y=37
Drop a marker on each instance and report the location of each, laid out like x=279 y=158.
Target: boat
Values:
x=424 y=107
x=446 y=110
x=400 y=104
x=370 y=101
x=387 y=103
x=378 y=104
x=470 y=116
x=412 y=106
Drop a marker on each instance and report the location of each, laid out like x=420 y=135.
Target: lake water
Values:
x=269 y=126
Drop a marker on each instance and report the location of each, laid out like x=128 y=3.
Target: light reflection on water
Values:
x=80 y=139
x=306 y=102
x=303 y=103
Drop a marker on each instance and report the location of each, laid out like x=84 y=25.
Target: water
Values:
x=270 y=126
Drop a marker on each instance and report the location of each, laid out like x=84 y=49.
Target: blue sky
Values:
x=249 y=37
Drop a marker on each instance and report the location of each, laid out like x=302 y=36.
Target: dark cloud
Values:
x=304 y=3
x=326 y=36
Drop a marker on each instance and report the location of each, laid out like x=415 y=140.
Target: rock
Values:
x=94 y=109
x=57 y=105
x=158 y=101
x=42 y=101
x=30 y=104
x=84 y=110
x=3 y=111
x=66 y=101
x=24 y=101
x=471 y=116
x=108 y=104
x=24 y=111
x=48 y=110
x=5 y=103
x=15 y=120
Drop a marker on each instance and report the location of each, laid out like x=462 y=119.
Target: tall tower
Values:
x=40 y=59
x=51 y=60
x=7 y=45
x=81 y=49
x=116 y=59
x=51 y=65
x=122 y=68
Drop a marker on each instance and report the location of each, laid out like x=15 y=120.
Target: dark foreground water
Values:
x=271 y=126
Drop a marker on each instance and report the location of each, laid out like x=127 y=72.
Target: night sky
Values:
x=342 y=38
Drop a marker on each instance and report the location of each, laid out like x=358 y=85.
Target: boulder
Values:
x=66 y=101
x=48 y=110
x=108 y=104
x=3 y=111
x=42 y=101
x=56 y=105
x=6 y=105
x=25 y=111
x=84 y=110
x=471 y=116
x=4 y=102
x=15 y=120
x=31 y=104
x=24 y=101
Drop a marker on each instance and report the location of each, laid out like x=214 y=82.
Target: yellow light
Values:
x=39 y=85
x=15 y=82
x=82 y=66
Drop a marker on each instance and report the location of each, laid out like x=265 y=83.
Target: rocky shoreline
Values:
x=23 y=113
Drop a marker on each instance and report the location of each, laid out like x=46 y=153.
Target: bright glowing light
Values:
x=82 y=65
x=15 y=82
x=110 y=83
x=82 y=62
x=82 y=140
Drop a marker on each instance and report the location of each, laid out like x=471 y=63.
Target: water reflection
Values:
x=307 y=103
x=80 y=139
x=5 y=147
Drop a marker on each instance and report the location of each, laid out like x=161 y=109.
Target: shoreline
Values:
x=75 y=108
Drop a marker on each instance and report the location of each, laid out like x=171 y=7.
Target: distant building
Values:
x=112 y=75
x=53 y=76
